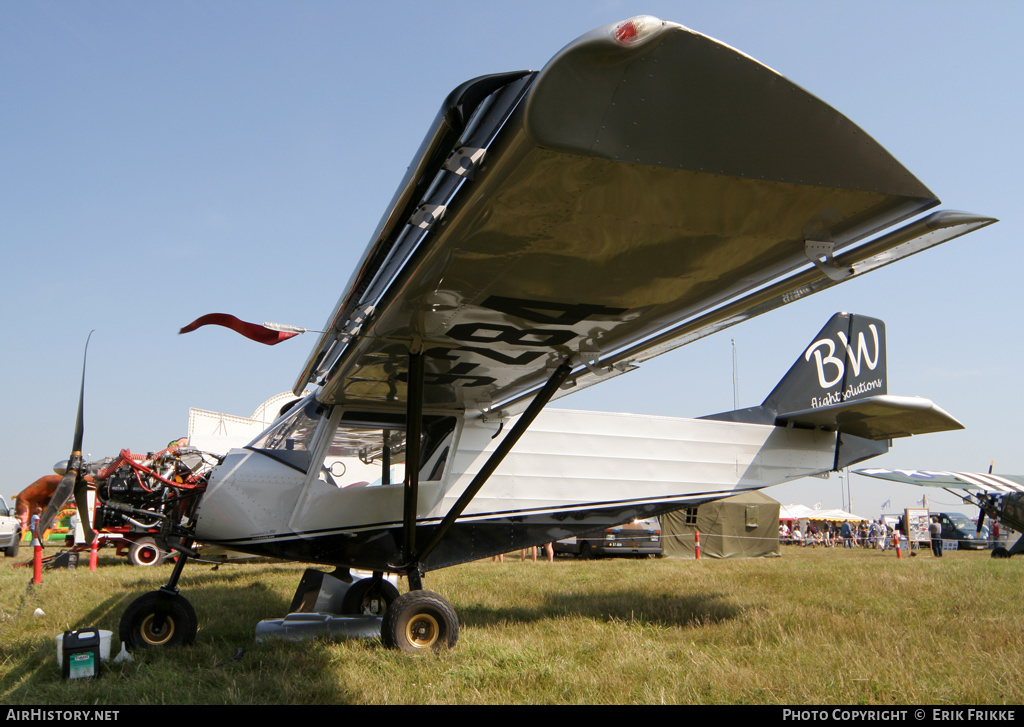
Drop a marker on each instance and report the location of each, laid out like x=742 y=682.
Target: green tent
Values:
x=742 y=526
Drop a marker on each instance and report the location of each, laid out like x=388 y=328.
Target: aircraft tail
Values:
x=844 y=362
x=839 y=383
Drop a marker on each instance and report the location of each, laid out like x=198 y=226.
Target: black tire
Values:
x=158 y=620
x=145 y=552
x=420 y=622
x=587 y=550
x=12 y=551
x=364 y=597
x=1000 y=553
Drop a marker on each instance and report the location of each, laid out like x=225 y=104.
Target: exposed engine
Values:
x=150 y=491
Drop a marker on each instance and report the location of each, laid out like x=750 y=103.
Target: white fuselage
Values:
x=567 y=461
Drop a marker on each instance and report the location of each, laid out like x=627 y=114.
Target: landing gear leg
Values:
x=161 y=618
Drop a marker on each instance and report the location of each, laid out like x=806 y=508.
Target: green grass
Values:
x=814 y=626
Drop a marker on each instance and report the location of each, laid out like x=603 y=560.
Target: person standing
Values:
x=846 y=533
x=935 y=531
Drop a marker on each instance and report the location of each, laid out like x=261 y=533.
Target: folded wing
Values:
x=628 y=198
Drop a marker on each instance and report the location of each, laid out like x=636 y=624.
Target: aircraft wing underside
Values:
x=626 y=199
x=974 y=481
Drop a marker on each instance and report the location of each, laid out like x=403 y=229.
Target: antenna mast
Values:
x=735 y=379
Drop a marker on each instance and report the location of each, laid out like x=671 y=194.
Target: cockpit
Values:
x=353 y=447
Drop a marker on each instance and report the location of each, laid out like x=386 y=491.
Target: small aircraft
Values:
x=648 y=187
x=999 y=497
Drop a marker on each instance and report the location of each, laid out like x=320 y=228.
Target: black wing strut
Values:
x=413 y=562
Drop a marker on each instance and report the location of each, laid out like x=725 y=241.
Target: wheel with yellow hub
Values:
x=158 y=619
x=420 y=622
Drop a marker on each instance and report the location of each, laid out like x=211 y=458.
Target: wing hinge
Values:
x=426 y=215
x=465 y=161
x=822 y=254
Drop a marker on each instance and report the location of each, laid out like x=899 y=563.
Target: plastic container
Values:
x=80 y=652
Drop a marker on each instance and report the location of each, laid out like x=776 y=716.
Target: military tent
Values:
x=742 y=526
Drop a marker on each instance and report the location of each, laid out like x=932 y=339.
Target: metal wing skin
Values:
x=971 y=481
x=628 y=198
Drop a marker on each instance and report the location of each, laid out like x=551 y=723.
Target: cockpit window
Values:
x=290 y=438
x=369 y=449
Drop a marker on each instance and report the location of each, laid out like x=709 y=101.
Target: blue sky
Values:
x=159 y=161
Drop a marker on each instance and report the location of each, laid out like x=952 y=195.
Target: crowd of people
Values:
x=832 y=534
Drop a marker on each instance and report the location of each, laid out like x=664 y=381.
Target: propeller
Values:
x=73 y=482
x=981 y=510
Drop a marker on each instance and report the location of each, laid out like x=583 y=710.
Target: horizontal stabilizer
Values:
x=876 y=417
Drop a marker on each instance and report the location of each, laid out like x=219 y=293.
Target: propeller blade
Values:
x=60 y=496
x=981 y=510
x=82 y=503
x=68 y=484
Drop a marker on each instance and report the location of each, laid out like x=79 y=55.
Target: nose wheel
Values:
x=420 y=622
x=158 y=619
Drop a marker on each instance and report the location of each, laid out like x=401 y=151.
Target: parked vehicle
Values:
x=957 y=526
x=10 y=530
x=640 y=537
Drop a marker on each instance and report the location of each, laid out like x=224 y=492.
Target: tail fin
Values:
x=844 y=363
x=839 y=384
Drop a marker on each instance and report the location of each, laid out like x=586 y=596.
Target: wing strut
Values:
x=414 y=422
x=519 y=428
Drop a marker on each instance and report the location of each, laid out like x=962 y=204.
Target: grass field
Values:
x=815 y=626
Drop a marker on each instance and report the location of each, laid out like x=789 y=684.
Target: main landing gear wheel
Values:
x=419 y=622
x=145 y=552
x=1000 y=553
x=158 y=619
x=364 y=597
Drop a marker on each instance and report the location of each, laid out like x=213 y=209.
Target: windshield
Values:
x=961 y=522
x=290 y=438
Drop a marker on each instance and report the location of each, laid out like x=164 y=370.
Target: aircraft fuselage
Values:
x=572 y=472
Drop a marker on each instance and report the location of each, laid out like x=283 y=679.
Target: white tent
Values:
x=796 y=512
x=216 y=432
x=802 y=512
x=836 y=515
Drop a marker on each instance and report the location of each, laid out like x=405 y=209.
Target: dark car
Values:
x=640 y=537
x=957 y=526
